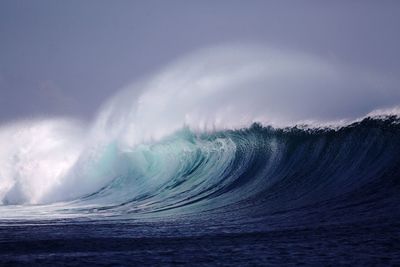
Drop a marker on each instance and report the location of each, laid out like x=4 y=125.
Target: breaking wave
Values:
x=186 y=142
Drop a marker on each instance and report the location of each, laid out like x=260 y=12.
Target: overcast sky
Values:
x=68 y=57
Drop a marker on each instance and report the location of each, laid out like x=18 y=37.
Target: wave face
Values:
x=256 y=172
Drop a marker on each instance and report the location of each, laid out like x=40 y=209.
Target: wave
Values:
x=186 y=142
x=256 y=170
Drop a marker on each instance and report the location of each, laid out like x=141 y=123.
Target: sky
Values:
x=66 y=58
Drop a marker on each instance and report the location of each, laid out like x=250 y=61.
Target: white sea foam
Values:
x=35 y=156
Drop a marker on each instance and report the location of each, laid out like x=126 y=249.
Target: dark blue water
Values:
x=258 y=196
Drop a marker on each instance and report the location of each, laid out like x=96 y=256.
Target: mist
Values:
x=232 y=86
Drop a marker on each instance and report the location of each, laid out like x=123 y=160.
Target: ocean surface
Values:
x=247 y=197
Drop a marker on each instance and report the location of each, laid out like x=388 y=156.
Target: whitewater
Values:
x=243 y=141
